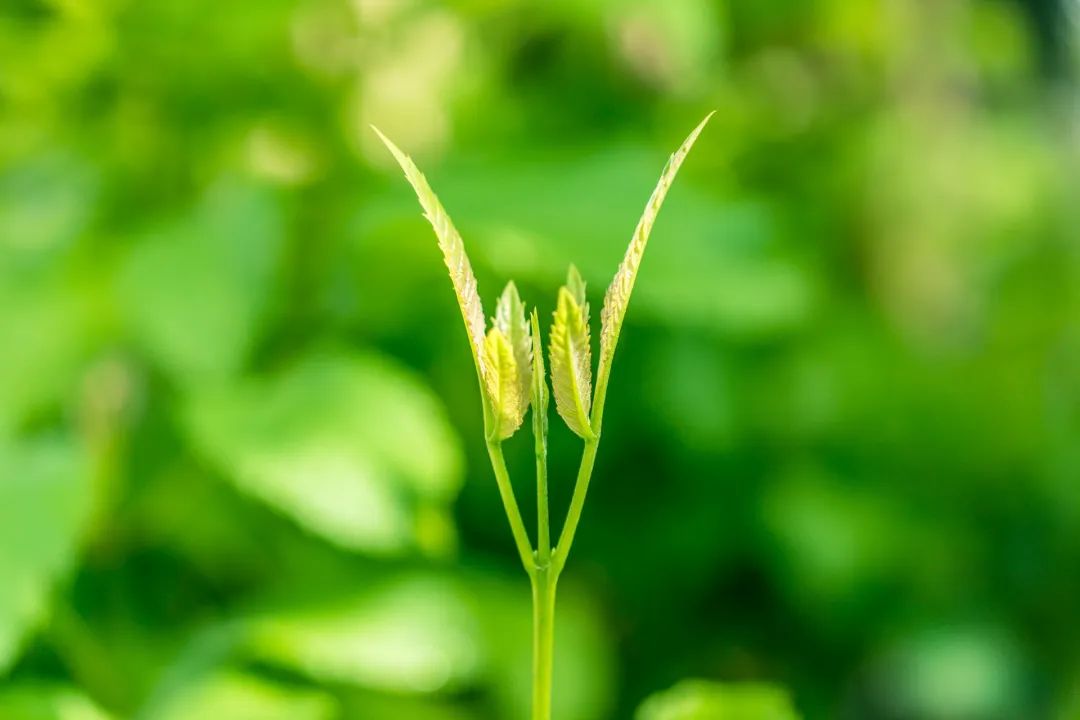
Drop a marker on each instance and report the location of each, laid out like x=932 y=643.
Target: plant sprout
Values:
x=509 y=362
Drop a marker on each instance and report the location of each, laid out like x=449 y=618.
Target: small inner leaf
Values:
x=510 y=320
x=503 y=387
x=571 y=358
x=453 y=250
x=618 y=294
x=576 y=285
x=539 y=376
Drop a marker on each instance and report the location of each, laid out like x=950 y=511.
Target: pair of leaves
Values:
x=508 y=358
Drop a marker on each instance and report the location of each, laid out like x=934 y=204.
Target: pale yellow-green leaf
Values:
x=453 y=250
x=510 y=320
x=571 y=358
x=618 y=294
x=503 y=388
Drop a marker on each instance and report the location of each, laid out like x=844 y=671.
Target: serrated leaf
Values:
x=503 y=385
x=571 y=357
x=618 y=294
x=453 y=250
x=510 y=320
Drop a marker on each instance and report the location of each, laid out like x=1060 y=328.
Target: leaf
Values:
x=353 y=448
x=46 y=201
x=427 y=635
x=757 y=287
x=453 y=250
x=503 y=384
x=196 y=290
x=539 y=378
x=510 y=319
x=45 y=501
x=576 y=285
x=239 y=696
x=571 y=356
x=47 y=702
x=47 y=333
x=617 y=297
x=411 y=634
x=702 y=700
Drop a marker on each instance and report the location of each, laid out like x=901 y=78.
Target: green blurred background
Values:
x=241 y=463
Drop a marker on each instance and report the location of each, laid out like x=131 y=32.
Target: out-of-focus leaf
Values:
x=502 y=378
x=571 y=356
x=953 y=672
x=618 y=293
x=353 y=448
x=45 y=203
x=702 y=700
x=196 y=290
x=45 y=498
x=835 y=541
x=237 y=696
x=411 y=635
x=46 y=330
x=423 y=633
x=370 y=705
x=47 y=702
x=453 y=250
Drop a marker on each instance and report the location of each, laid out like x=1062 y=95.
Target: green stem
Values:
x=543 y=592
x=543 y=521
x=506 y=491
x=577 y=503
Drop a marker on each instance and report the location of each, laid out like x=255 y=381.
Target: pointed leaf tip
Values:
x=618 y=294
x=453 y=251
x=576 y=285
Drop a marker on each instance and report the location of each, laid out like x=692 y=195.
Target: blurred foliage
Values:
x=698 y=700
x=241 y=467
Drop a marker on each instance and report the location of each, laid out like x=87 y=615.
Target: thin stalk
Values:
x=543 y=594
x=506 y=491
x=577 y=503
x=543 y=520
x=588 y=459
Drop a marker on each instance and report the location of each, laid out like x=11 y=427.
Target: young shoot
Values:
x=509 y=361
